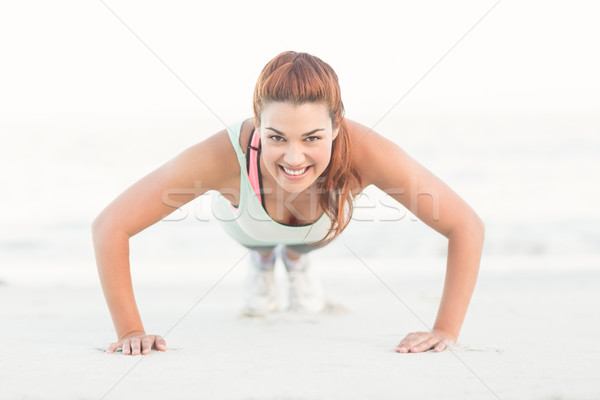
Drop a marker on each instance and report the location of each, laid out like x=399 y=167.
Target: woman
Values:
x=287 y=179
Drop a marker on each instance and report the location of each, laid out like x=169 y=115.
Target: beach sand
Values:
x=530 y=333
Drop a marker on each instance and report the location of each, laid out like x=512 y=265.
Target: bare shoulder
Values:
x=371 y=152
x=213 y=160
x=385 y=164
x=247 y=127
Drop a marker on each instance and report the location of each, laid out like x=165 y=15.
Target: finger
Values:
x=441 y=346
x=146 y=345
x=411 y=344
x=409 y=341
x=444 y=344
x=428 y=342
x=402 y=346
x=160 y=343
x=114 y=347
x=135 y=346
x=126 y=348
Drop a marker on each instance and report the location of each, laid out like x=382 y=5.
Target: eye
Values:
x=310 y=139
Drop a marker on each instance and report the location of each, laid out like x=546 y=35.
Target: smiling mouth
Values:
x=295 y=172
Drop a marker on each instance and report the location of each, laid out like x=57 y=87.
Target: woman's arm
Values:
x=384 y=164
x=465 y=244
x=202 y=167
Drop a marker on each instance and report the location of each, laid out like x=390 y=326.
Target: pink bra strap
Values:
x=253 y=154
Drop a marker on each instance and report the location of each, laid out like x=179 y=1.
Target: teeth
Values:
x=289 y=172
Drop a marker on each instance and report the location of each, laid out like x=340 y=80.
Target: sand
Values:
x=531 y=333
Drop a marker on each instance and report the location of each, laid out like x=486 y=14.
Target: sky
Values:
x=202 y=59
x=96 y=94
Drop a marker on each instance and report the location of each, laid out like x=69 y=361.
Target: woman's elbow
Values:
x=480 y=224
x=472 y=226
x=477 y=226
x=97 y=226
x=103 y=224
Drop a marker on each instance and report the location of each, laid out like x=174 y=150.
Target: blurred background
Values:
x=505 y=109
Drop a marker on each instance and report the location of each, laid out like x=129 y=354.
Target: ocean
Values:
x=531 y=178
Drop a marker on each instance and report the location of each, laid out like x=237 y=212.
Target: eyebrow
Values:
x=304 y=134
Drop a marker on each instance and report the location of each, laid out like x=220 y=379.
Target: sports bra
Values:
x=253 y=166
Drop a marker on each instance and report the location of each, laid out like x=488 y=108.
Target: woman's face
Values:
x=296 y=143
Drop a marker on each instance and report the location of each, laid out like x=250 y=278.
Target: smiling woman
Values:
x=285 y=183
x=299 y=94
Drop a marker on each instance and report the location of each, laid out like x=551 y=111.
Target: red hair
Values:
x=299 y=78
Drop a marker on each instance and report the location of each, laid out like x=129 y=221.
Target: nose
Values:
x=294 y=155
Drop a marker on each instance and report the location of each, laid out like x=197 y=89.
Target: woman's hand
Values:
x=418 y=342
x=138 y=343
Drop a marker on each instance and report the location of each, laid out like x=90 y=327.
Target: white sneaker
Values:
x=305 y=289
x=261 y=292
